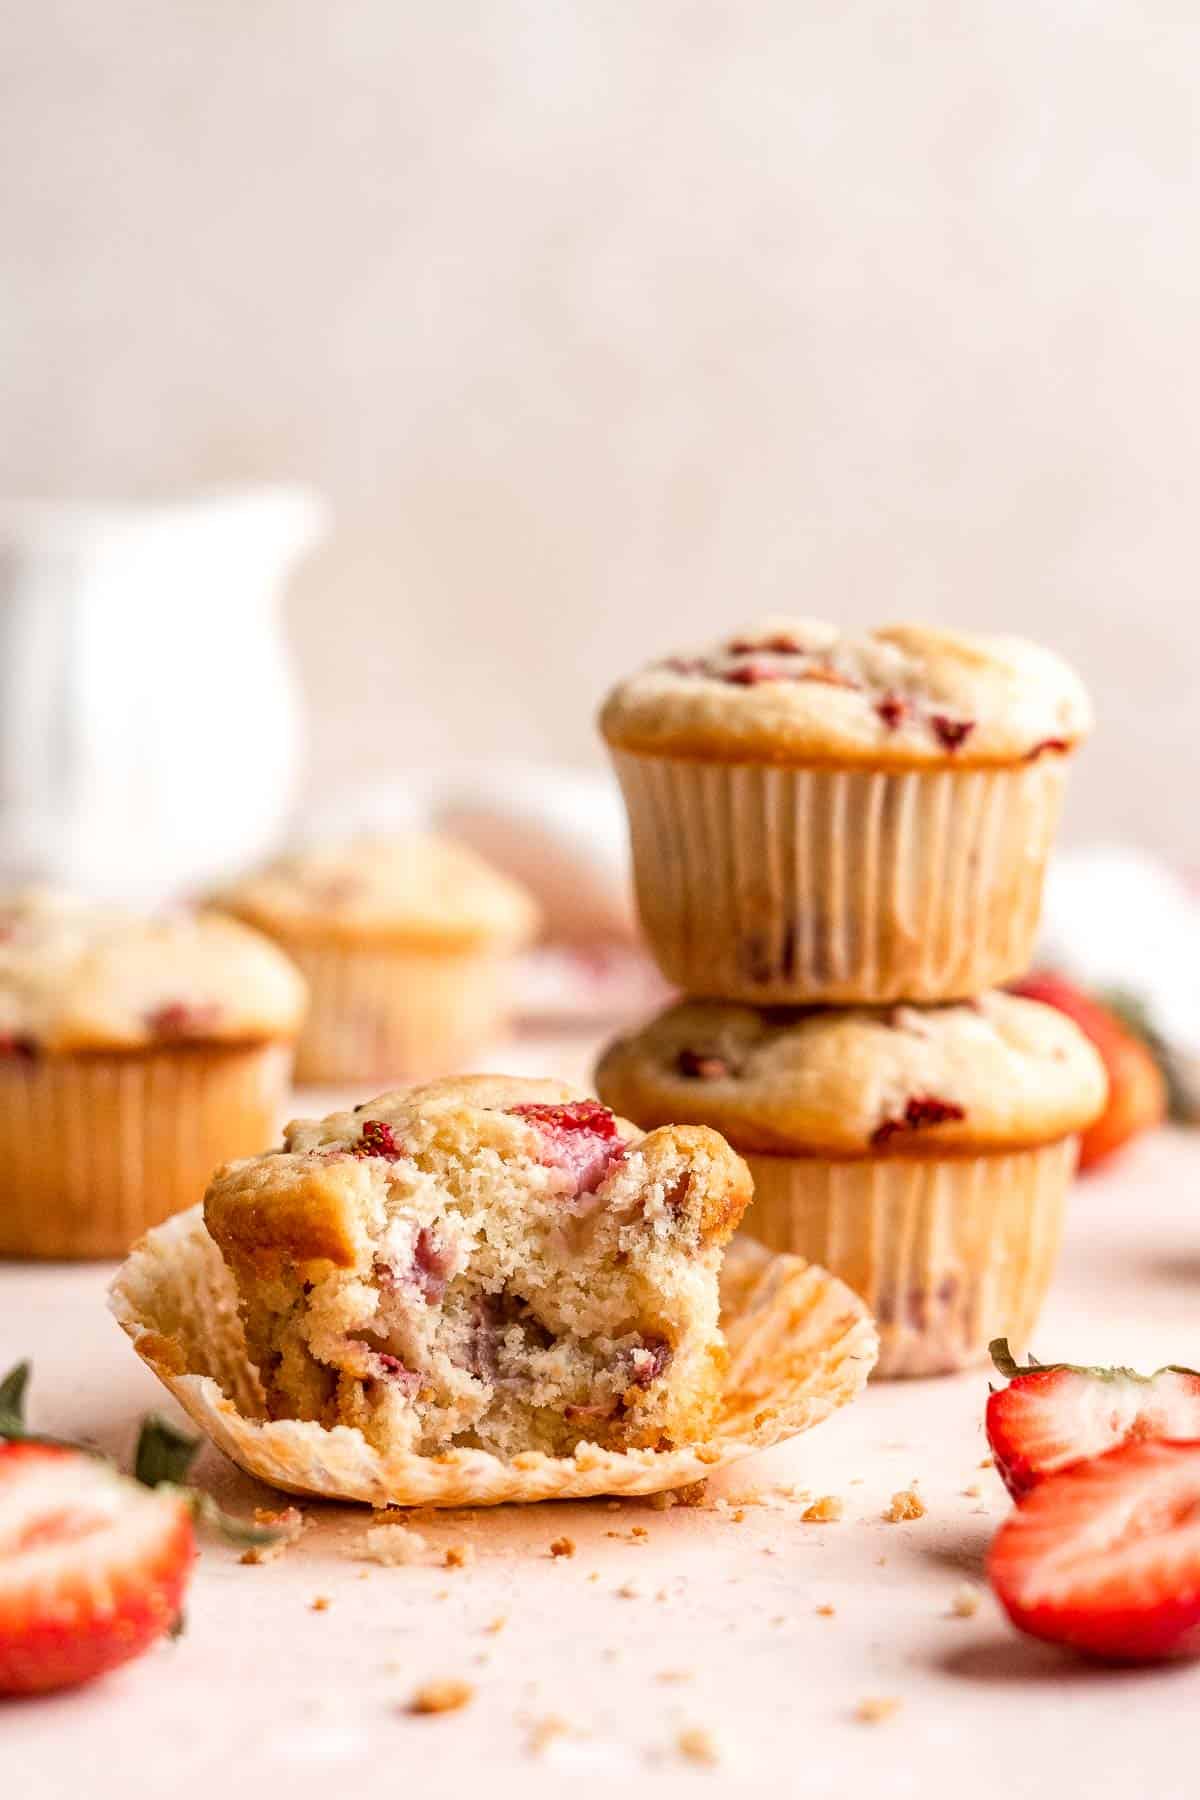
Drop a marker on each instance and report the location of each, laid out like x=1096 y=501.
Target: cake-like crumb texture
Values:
x=485 y=1263
x=799 y=690
x=995 y=1073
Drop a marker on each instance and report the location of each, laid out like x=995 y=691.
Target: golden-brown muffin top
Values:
x=996 y=1073
x=798 y=690
x=414 y=890
x=319 y=1197
x=77 y=976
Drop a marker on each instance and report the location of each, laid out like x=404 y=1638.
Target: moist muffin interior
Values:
x=484 y=1264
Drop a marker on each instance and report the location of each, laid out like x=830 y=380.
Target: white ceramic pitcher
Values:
x=149 y=723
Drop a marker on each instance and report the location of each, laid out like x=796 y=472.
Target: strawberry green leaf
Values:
x=205 y=1511
x=164 y=1453
x=1008 y=1366
x=12 y=1400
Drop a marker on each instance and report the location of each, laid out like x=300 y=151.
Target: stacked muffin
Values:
x=860 y=826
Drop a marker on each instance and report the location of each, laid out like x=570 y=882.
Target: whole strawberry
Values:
x=1053 y=1415
x=1137 y=1090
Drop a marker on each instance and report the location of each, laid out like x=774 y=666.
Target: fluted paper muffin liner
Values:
x=800 y=1346
x=948 y=1252
x=784 y=886
x=95 y=1148
x=390 y=1014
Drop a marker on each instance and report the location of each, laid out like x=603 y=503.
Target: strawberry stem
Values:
x=163 y=1457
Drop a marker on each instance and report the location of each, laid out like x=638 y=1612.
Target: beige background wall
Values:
x=603 y=324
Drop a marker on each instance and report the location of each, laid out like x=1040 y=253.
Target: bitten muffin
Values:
x=921 y=1153
x=134 y=1054
x=484 y=1262
x=407 y=945
x=819 y=818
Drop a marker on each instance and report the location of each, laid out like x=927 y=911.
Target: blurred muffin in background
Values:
x=407 y=944
x=135 y=1055
x=561 y=832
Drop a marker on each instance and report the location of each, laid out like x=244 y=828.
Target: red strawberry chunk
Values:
x=919 y=1111
x=183 y=1018
x=950 y=733
x=1104 y=1557
x=434 y=1263
x=93 y=1567
x=378 y=1139
x=580 y=1137
x=1049 y=1418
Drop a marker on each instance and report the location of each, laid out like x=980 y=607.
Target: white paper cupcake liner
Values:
x=800 y=1346
x=948 y=1252
x=784 y=886
x=96 y=1148
x=391 y=1015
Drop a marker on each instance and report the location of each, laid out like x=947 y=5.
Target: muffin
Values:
x=135 y=1054
x=407 y=946
x=819 y=818
x=921 y=1153
x=485 y=1263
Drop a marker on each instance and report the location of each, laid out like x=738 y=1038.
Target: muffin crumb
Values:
x=906 y=1504
x=395 y=1546
x=695 y=1743
x=320 y=1603
x=876 y=1708
x=459 y=1556
x=441 y=1696
x=562 y=1546
x=825 y=1511
x=964 y=1603
x=542 y=1733
x=288 y=1521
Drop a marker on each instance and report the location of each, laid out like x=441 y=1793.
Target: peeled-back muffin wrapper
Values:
x=779 y=885
x=948 y=1252
x=96 y=1148
x=800 y=1346
x=393 y=1013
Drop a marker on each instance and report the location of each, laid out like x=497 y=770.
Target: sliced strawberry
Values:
x=1105 y=1556
x=1137 y=1090
x=93 y=1566
x=1052 y=1415
x=579 y=1137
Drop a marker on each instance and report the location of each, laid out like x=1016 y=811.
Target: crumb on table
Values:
x=562 y=1546
x=906 y=1504
x=695 y=1743
x=825 y=1511
x=392 y=1545
x=460 y=1556
x=441 y=1696
x=320 y=1603
x=877 y=1707
x=964 y=1602
x=543 y=1732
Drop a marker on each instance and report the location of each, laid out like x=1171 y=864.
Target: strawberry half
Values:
x=1052 y=1415
x=1105 y=1557
x=93 y=1566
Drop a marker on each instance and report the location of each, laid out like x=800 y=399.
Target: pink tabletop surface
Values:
x=605 y=1657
